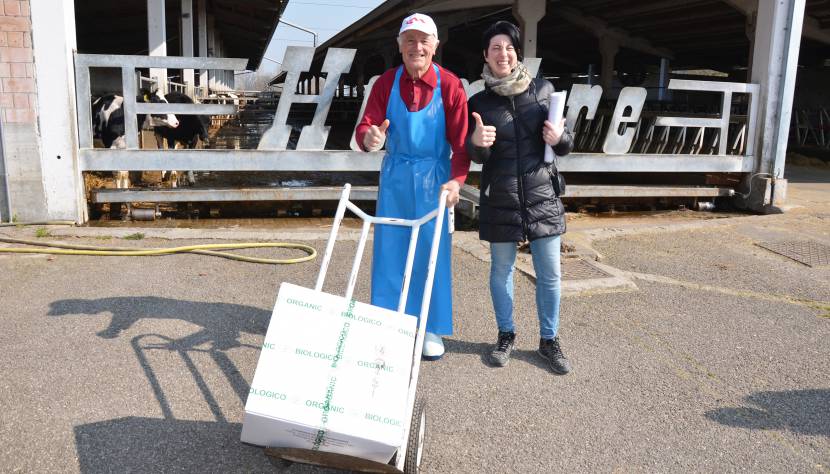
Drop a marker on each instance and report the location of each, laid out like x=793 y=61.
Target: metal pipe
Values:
x=422 y=325
x=281 y=20
x=338 y=218
x=410 y=258
x=5 y=196
x=143 y=214
x=364 y=235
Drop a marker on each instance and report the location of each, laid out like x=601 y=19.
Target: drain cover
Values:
x=802 y=251
x=579 y=269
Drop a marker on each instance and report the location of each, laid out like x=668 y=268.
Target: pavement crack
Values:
x=812 y=304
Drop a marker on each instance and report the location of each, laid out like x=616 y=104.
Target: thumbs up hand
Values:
x=483 y=135
x=375 y=136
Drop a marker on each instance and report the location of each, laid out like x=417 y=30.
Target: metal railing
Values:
x=651 y=138
x=811 y=127
x=150 y=83
x=129 y=82
x=664 y=143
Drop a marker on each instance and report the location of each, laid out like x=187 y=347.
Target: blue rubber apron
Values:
x=415 y=166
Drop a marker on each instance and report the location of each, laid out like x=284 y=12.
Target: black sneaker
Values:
x=552 y=352
x=504 y=346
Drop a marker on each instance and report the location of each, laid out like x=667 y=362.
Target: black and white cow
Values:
x=108 y=124
x=191 y=129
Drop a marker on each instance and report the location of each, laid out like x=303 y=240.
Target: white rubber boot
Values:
x=433 y=346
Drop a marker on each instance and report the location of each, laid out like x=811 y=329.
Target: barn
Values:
x=41 y=43
x=677 y=97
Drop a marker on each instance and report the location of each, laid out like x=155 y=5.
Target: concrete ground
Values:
x=711 y=357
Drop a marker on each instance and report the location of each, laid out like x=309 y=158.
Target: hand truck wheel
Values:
x=417 y=432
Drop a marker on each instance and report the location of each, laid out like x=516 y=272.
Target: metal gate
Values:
x=626 y=142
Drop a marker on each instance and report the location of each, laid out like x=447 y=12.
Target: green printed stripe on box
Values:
x=326 y=407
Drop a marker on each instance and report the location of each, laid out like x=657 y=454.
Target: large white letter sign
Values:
x=582 y=96
x=366 y=91
x=616 y=144
x=722 y=123
x=296 y=61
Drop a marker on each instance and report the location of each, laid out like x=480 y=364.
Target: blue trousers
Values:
x=545 y=253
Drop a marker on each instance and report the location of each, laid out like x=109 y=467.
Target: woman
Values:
x=519 y=199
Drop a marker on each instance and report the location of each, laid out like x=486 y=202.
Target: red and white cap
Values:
x=420 y=22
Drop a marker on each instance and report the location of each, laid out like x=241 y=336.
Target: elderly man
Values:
x=421 y=110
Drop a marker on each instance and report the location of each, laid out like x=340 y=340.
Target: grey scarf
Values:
x=516 y=83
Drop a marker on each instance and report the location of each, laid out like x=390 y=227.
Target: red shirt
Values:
x=416 y=94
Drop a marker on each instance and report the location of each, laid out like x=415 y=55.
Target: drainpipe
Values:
x=5 y=200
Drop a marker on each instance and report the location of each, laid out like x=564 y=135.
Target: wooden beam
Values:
x=239 y=32
x=664 y=7
x=682 y=20
x=601 y=29
x=811 y=28
x=451 y=5
x=272 y=5
x=245 y=21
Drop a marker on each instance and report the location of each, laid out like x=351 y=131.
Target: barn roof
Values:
x=120 y=27
x=691 y=33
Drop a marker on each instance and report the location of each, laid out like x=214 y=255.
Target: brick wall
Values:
x=18 y=96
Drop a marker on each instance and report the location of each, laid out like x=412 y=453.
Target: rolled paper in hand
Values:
x=555 y=113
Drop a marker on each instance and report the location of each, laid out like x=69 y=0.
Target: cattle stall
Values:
x=667 y=99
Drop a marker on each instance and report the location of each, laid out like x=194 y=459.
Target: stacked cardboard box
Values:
x=333 y=375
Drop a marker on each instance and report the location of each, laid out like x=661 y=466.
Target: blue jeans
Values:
x=545 y=253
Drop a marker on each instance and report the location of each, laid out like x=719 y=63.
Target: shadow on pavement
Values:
x=455 y=346
x=800 y=411
x=807 y=174
x=137 y=444
x=221 y=322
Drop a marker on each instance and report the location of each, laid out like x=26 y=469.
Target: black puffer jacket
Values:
x=518 y=200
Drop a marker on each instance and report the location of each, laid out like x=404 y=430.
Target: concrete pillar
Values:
x=203 y=43
x=443 y=37
x=187 y=43
x=473 y=66
x=157 y=38
x=218 y=73
x=529 y=13
x=5 y=203
x=608 y=48
x=388 y=56
x=774 y=62
x=56 y=128
x=221 y=77
x=211 y=49
x=359 y=68
x=663 y=80
x=749 y=30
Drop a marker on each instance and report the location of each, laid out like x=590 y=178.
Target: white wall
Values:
x=53 y=39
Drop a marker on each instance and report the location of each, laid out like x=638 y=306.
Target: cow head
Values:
x=158 y=120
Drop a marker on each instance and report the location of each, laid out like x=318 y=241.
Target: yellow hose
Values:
x=204 y=249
